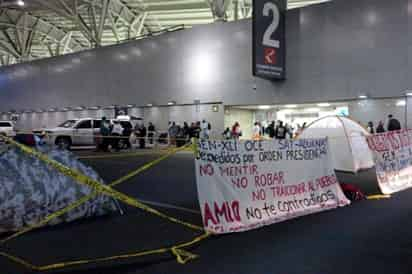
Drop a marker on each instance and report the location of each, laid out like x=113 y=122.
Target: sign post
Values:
x=269 y=50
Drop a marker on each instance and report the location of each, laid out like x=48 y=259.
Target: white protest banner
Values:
x=247 y=184
x=393 y=155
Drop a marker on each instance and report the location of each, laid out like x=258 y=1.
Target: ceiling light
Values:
x=285 y=111
x=291 y=106
x=401 y=103
x=130 y=106
x=263 y=107
x=149 y=105
x=312 y=109
x=94 y=108
x=20 y=3
x=171 y=103
x=323 y=105
x=362 y=96
x=408 y=93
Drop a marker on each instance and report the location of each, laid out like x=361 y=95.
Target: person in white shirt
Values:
x=256 y=131
x=117 y=131
x=205 y=128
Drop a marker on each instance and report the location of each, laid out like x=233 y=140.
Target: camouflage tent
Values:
x=30 y=190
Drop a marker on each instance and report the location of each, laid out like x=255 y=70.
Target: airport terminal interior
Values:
x=205 y=136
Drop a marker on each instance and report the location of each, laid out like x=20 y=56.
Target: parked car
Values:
x=74 y=132
x=7 y=129
x=77 y=132
x=132 y=119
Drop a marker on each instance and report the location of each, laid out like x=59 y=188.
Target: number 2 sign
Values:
x=269 y=38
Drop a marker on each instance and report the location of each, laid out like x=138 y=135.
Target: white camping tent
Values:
x=350 y=151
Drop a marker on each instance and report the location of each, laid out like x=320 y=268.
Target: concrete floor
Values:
x=366 y=237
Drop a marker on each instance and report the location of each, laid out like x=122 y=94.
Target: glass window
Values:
x=5 y=124
x=97 y=123
x=68 y=124
x=84 y=124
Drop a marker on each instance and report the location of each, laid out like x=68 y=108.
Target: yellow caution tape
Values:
x=19 y=261
x=378 y=197
x=98 y=188
x=195 y=148
x=182 y=256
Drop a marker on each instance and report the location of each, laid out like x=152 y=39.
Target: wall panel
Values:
x=336 y=50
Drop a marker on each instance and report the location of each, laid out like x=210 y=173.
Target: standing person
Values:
x=370 y=127
x=192 y=130
x=280 y=131
x=151 y=131
x=256 y=131
x=393 y=123
x=186 y=131
x=271 y=130
x=380 y=128
x=127 y=131
x=141 y=135
x=236 y=131
x=263 y=127
x=173 y=130
x=289 y=131
x=204 y=129
x=227 y=135
x=197 y=130
x=105 y=132
x=117 y=131
x=180 y=137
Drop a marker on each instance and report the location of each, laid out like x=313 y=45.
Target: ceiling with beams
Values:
x=33 y=29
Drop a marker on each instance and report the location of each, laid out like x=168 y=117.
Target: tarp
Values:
x=247 y=184
x=30 y=190
x=347 y=140
x=393 y=155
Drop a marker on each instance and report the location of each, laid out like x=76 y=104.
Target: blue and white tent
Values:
x=30 y=190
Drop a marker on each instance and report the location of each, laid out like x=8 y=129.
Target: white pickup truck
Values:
x=7 y=129
x=76 y=132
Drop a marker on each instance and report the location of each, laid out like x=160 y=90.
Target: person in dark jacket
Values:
x=151 y=131
x=105 y=132
x=127 y=131
x=380 y=128
x=271 y=129
x=371 y=129
x=186 y=131
x=141 y=134
x=280 y=131
x=393 y=123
